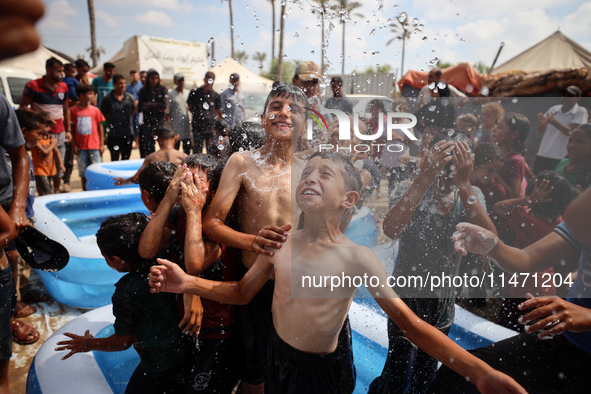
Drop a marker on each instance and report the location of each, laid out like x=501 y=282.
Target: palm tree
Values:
x=260 y=57
x=272 y=35
x=402 y=30
x=346 y=9
x=93 y=50
x=281 y=34
x=241 y=57
x=324 y=8
x=231 y=28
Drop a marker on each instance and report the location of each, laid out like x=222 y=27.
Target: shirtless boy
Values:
x=167 y=139
x=302 y=349
x=259 y=182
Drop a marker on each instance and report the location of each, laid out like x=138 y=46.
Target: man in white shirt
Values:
x=556 y=125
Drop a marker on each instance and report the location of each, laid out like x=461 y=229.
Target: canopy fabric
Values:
x=166 y=56
x=249 y=81
x=463 y=76
x=34 y=61
x=553 y=53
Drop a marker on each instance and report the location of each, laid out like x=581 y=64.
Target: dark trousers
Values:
x=68 y=163
x=120 y=146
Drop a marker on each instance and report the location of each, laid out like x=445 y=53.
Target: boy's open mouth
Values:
x=309 y=192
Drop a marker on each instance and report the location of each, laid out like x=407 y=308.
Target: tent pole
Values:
x=496 y=57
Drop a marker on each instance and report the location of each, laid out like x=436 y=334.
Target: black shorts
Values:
x=292 y=371
x=215 y=369
x=7 y=301
x=255 y=322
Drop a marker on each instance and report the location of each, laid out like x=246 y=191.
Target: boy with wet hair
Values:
x=303 y=355
x=178 y=228
x=422 y=217
x=154 y=181
x=167 y=140
x=247 y=136
x=147 y=321
x=258 y=183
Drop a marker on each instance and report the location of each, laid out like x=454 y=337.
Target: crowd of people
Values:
x=221 y=228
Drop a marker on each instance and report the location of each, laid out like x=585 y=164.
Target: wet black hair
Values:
x=165 y=131
x=519 y=124
x=487 y=153
x=220 y=127
x=83 y=89
x=453 y=136
x=52 y=61
x=120 y=236
x=349 y=172
x=210 y=164
x=156 y=177
x=561 y=196
x=30 y=120
x=81 y=63
x=247 y=136
x=286 y=90
x=117 y=77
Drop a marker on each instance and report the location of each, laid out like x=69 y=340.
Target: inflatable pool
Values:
x=100 y=176
x=102 y=372
x=73 y=219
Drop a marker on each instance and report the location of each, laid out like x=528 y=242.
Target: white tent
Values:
x=554 y=53
x=166 y=56
x=34 y=61
x=249 y=81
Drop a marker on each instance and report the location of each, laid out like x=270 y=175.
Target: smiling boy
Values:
x=302 y=352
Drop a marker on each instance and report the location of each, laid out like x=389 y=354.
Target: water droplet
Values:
x=229 y=105
x=484 y=91
x=432 y=108
x=415 y=22
x=221 y=147
x=514 y=100
x=425 y=38
x=296 y=35
x=450 y=132
x=116 y=147
x=402 y=16
x=271 y=116
x=372 y=32
x=210 y=81
x=472 y=200
x=205 y=106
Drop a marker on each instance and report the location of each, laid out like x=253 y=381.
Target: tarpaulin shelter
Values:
x=166 y=56
x=463 y=76
x=249 y=81
x=549 y=66
x=34 y=61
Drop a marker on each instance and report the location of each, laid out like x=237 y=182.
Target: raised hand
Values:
x=167 y=277
x=470 y=238
x=77 y=344
x=439 y=155
x=463 y=161
x=540 y=192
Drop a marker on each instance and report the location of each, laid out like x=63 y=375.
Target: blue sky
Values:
x=454 y=31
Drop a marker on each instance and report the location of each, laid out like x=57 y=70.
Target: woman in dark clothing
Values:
x=152 y=103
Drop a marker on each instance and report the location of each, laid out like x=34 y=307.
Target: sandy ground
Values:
x=52 y=315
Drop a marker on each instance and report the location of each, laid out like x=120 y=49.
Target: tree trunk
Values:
x=231 y=28
x=343 y=44
x=93 y=50
x=273 y=35
x=322 y=46
x=403 y=45
x=281 y=34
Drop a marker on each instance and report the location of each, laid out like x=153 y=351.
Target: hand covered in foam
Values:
x=470 y=238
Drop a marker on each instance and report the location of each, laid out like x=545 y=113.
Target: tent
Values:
x=554 y=53
x=249 y=81
x=166 y=56
x=463 y=76
x=34 y=61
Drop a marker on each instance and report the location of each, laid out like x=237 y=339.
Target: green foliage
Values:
x=241 y=57
x=442 y=64
x=289 y=67
x=481 y=67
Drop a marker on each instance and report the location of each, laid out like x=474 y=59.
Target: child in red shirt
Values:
x=547 y=198
x=88 y=131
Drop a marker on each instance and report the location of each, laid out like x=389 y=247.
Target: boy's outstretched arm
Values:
x=85 y=343
x=399 y=216
x=156 y=235
x=214 y=221
x=545 y=253
x=433 y=341
x=169 y=277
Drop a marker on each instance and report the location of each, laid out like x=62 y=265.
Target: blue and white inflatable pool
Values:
x=100 y=176
x=73 y=219
x=102 y=372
